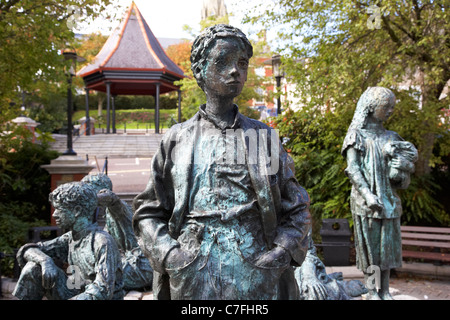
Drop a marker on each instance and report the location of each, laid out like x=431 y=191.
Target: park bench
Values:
x=428 y=243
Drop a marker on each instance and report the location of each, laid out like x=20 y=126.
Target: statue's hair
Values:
x=204 y=43
x=369 y=100
x=75 y=195
x=98 y=181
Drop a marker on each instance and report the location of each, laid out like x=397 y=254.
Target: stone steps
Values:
x=111 y=145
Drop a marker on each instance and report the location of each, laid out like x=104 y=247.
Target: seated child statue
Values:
x=92 y=254
x=137 y=272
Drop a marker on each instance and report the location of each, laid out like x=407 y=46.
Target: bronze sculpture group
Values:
x=223 y=216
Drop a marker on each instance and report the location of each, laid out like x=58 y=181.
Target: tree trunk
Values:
x=425 y=152
x=430 y=104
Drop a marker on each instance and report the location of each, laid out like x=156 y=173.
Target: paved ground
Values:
x=402 y=288
x=420 y=288
x=128 y=175
x=409 y=286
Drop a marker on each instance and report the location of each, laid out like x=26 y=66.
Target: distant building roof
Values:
x=131 y=52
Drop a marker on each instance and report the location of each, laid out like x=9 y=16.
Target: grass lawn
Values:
x=132 y=119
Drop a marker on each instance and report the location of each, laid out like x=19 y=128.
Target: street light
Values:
x=70 y=55
x=278 y=73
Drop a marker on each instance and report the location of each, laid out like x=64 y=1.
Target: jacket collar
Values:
x=236 y=123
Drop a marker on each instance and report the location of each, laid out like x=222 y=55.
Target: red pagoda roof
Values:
x=130 y=59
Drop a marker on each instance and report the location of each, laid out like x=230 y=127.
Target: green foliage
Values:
x=24 y=186
x=47 y=104
x=332 y=55
x=314 y=142
x=213 y=20
x=193 y=96
x=420 y=203
x=32 y=33
x=13 y=233
x=124 y=102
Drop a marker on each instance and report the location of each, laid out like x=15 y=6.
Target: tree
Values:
x=350 y=45
x=180 y=53
x=192 y=95
x=24 y=188
x=88 y=47
x=32 y=33
x=47 y=104
x=333 y=51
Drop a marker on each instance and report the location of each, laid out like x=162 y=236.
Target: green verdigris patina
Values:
x=92 y=254
x=315 y=284
x=379 y=162
x=137 y=272
x=222 y=216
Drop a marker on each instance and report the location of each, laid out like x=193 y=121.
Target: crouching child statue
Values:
x=93 y=259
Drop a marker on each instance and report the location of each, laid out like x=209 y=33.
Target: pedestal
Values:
x=66 y=169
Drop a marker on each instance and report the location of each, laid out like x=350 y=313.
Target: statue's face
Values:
x=64 y=217
x=383 y=112
x=226 y=68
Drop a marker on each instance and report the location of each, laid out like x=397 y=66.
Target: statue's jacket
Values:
x=283 y=204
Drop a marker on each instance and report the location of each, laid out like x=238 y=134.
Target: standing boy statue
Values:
x=222 y=216
x=379 y=162
x=92 y=254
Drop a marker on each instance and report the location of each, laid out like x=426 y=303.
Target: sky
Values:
x=166 y=18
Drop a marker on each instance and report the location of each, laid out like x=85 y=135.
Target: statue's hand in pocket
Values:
x=274 y=258
x=178 y=258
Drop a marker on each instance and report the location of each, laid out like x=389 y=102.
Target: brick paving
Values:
x=421 y=288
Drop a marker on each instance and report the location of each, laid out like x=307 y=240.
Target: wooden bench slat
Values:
x=411 y=235
x=426 y=255
x=426 y=243
x=417 y=236
x=425 y=229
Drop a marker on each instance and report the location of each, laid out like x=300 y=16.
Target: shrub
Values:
x=314 y=141
x=24 y=188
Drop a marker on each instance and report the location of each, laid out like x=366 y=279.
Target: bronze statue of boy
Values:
x=222 y=216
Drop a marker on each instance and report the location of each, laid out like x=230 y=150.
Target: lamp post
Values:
x=278 y=73
x=70 y=55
